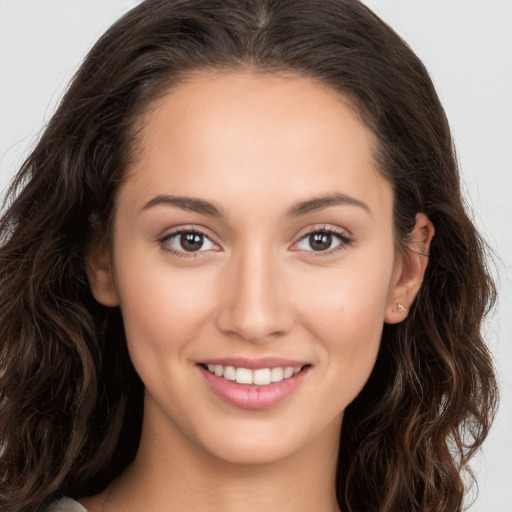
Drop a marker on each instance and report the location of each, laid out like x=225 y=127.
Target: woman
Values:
x=237 y=272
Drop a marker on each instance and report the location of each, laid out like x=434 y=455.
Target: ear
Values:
x=100 y=273
x=409 y=271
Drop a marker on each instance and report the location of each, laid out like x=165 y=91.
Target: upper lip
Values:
x=255 y=363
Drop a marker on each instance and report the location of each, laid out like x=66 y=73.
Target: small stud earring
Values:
x=400 y=307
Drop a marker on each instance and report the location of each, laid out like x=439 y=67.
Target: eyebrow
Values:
x=190 y=204
x=193 y=204
x=319 y=203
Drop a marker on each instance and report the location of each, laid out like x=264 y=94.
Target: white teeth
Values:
x=276 y=374
x=243 y=376
x=229 y=373
x=288 y=372
x=260 y=377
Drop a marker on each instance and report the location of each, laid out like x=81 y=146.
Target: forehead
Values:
x=243 y=134
x=215 y=105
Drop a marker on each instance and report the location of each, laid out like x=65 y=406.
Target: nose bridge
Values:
x=255 y=302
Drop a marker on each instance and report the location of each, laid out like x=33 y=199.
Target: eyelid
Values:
x=343 y=235
x=162 y=240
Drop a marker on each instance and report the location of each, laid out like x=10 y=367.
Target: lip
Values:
x=248 y=396
x=256 y=363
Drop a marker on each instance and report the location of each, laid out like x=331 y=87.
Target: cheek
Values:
x=162 y=309
x=347 y=301
x=344 y=311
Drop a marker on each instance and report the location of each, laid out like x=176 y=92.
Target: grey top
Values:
x=66 y=505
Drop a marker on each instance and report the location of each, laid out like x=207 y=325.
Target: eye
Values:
x=324 y=240
x=187 y=241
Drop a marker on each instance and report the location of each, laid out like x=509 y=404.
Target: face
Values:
x=253 y=261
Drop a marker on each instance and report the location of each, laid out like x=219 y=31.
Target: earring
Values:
x=400 y=307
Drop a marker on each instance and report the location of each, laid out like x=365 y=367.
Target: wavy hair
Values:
x=70 y=400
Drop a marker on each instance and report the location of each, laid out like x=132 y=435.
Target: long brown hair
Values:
x=70 y=400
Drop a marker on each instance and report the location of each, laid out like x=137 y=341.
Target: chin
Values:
x=260 y=444
x=252 y=453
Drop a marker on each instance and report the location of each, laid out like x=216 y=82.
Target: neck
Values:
x=170 y=473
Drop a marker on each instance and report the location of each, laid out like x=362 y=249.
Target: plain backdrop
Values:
x=466 y=45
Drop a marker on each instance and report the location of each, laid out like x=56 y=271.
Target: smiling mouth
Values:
x=267 y=381
x=259 y=377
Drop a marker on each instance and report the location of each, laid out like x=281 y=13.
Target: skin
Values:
x=255 y=146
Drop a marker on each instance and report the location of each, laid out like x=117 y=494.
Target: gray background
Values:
x=466 y=45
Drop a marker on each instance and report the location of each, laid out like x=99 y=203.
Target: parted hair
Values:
x=71 y=402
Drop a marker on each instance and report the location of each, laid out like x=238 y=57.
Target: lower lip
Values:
x=251 y=396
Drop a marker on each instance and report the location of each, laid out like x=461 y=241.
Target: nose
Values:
x=254 y=303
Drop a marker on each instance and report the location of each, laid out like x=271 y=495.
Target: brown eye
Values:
x=323 y=241
x=320 y=241
x=191 y=241
x=183 y=242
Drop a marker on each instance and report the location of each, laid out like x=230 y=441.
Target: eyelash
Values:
x=182 y=254
x=344 y=239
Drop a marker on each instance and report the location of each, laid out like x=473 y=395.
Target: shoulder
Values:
x=65 y=505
